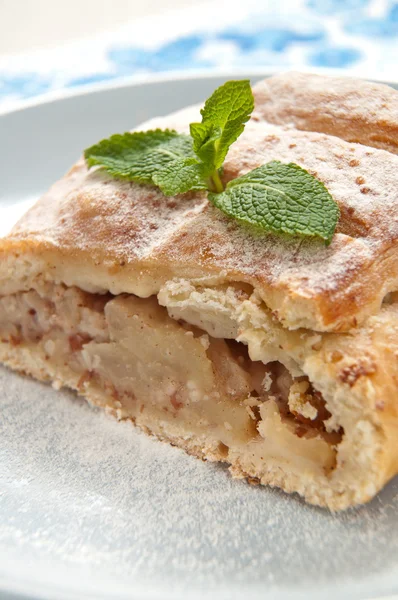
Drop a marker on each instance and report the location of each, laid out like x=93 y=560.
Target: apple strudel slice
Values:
x=278 y=356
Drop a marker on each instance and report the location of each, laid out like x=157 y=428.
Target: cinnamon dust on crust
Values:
x=309 y=284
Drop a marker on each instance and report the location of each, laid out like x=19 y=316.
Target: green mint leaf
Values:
x=205 y=136
x=180 y=176
x=282 y=198
x=139 y=156
x=223 y=118
x=277 y=197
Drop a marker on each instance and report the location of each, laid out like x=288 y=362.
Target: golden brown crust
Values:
x=92 y=229
x=352 y=109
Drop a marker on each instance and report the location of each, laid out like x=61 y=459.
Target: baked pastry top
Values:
x=352 y=109
x=137 y=239
x=276 y=355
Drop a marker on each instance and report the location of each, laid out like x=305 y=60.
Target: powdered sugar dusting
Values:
x=92 y=506
x=352 y=109
x=363 y=180
x=129 y=219
x=116 y=222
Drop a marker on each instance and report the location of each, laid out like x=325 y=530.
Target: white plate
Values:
x=91 y=508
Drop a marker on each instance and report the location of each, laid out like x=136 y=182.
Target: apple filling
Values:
x=141 y=361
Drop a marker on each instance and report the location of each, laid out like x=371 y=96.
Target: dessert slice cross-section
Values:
x=275 y=355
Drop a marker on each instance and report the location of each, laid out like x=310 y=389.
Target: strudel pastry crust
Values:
x=277 y=356
x=140 y=240
x=352 y=109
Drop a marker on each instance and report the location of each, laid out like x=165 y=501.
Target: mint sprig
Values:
x=180 y=176
x=140 y=156
x=282 y=198
x=223 y=117
x=276 y=197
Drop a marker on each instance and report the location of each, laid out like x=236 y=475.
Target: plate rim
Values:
x=170 y=76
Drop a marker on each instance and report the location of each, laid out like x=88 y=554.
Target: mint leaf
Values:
x=223 y=118
x=141 y=155
x=180 y=176
x=282 y=198
x=205 y=136
x=277 y=197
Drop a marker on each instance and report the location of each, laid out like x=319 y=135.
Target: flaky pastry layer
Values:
x=172 y=371
x=352 y=109
x=103 y=234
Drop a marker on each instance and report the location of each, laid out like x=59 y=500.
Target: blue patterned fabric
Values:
x=359 y=36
